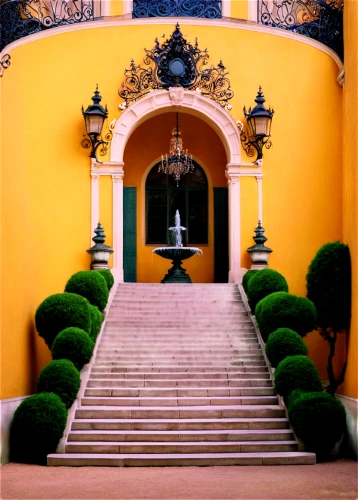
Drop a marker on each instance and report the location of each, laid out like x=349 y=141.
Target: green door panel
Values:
x=130 y=234
x=221 y=235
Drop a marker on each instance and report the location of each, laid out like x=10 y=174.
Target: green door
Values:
x=221 y=235
x=130 y=234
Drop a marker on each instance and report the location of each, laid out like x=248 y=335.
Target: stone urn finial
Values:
x=259 y=253
x=100 y=252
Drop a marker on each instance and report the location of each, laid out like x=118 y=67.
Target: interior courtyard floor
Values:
x=331 y=480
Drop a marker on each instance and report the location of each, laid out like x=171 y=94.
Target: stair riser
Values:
x=167 y=351
x=194 y=392
x=155 y=375
x=186 y=413
x=182 y=448
x=210 y=425
x=167 y=358
x=183 y=401
x=177 y=437
x=113 y=381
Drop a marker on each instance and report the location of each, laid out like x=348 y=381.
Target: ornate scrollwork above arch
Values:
x=176 y=63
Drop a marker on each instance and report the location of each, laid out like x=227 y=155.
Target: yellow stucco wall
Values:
x=46 y=183
x=350 y=181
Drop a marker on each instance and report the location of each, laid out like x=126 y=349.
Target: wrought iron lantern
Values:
x=259 y=122
x=178 y=162
x=100 y=252
x=95 y=116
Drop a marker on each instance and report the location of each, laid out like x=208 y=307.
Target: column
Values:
x=117 y=184
x=259 y=197
x=94 y=203
x=233 y=176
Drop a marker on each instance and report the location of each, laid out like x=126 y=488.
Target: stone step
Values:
x=166 y=358
x=181 y=424
x=180 y=436
x=238 y=411
x=186 y=332
x=167 y=350
x=178 y=401
x=186 y=322
x=181 y=447
x=126 y=336
x=178 y=305
x=103 y=390
x=174 y=344
x=113 y=381
x=185 y=459
x=183 y=372
x=175 y=366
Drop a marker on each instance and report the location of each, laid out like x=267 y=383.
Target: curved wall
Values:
x=46 y=181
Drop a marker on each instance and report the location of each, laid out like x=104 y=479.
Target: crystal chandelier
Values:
x=178 y=162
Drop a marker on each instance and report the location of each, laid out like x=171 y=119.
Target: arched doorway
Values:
x=153 y=105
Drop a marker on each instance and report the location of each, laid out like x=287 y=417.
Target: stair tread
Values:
x=184 y=432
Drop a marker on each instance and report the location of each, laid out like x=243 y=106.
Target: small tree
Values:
x=329 y=288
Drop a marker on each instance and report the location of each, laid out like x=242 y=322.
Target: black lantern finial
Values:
x=258 y=132
x=95 y=116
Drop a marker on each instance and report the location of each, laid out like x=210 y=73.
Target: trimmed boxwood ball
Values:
x=264 y=283
x=284 y=342
x=281 y=309
x=37 y=427
x=246 y=278
x=296 y=372
x=96 y=322
x=60 y=311
x=90 y=285
x=73 y=344
x=62 y=378
x=319 y=419
x=108 y=276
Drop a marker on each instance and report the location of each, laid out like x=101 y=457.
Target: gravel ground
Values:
x=334 y=481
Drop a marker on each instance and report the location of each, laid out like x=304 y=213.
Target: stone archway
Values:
x=159 y=101
x=192 y=102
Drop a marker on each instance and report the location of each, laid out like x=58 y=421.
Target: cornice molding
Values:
x=223 y=23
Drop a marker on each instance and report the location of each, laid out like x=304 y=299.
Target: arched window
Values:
x=164 y=197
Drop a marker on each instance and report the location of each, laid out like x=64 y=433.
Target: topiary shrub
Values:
x=281 y=309
x=73 y=344
x=60 y=311
x=37 y=427
x=246 y=278
x=90 y=285
x=318 y=419
x=108 y=276
x=264 y=283
x=329 y=288
x=296 y=372
x=284 y=342
x=62 y=378
x=96 y=322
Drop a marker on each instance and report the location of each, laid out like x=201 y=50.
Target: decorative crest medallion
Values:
x=176 y=63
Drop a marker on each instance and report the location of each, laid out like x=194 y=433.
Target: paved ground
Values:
x=334 y=481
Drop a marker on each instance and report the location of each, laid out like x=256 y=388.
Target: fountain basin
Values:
x=180 y=253
x=177 y=274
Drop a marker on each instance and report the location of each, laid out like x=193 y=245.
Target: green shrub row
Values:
x=264 y=283
x=69 y=323
x=283 y=319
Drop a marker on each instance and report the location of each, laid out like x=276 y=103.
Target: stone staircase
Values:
x=179 y=379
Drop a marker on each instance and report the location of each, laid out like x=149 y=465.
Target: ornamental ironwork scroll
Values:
x=19 y=18
x=176 y=63
x=321 y=20
x=177 y=8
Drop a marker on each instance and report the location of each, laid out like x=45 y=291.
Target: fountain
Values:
x=176 y=274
